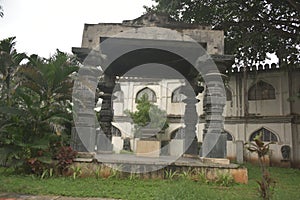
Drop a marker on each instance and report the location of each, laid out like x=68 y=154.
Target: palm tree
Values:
x=42 y=110
x=49 y=80
x=9 y=62
x=1 y=11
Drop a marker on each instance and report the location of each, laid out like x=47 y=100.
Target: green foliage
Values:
x=133 y=176
x=77 y=171
x=170 y=174
x=266 y=184
x=224 y=179
x=35 y=110
x=148 y=116
x=47 y=173
x=64 y=157
x=9 y=63
x=202 y=177
x=252 y=28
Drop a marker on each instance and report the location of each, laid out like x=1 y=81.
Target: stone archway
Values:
x=123 y=54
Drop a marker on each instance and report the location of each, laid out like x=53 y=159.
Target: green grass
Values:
x=287 y=187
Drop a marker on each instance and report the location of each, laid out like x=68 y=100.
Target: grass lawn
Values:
x=287 y=187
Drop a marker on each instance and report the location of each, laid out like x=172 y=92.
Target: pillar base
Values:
x=214 y=145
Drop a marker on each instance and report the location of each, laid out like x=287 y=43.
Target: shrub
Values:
x=266 y=184
x=64 y=156
x=224 y=179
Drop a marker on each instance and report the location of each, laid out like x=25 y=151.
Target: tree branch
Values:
x=294 y=4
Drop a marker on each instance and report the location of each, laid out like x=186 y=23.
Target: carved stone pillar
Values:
x=84 y=133
x=106 y=87
x=190 y=117
x=214 y=137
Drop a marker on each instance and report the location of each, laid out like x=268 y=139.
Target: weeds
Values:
x=47 y=173
x=170 y=174
x=224 y=179
x=77 y=171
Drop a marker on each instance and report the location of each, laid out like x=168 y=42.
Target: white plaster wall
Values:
x=295 y=90
x=231 y=149
x=278 y=106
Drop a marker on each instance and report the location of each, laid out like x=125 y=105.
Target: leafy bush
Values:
x=224 y=179
x=64 y=156
x=35 y=109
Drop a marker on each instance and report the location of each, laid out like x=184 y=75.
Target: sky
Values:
x=42 y=26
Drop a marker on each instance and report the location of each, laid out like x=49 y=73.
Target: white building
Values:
x=264 y=101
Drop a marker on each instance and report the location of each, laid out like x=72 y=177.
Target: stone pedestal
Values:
x=117 y=144
x=104 y=144
x=148 y=148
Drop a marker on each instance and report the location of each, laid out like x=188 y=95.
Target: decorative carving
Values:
x=106 y=86
x=286 y=152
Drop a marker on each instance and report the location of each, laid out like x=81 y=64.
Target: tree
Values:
x=148 y=116
x=9 y=62
x=1 y=11
x=252 y=28
x=41 y=113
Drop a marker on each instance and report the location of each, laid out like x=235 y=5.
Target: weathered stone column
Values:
x=84 y=133
x=106 y=87
x=83 y=99
x=214 y=137
x=190 y=117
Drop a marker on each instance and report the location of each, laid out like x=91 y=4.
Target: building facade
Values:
x=264 y=99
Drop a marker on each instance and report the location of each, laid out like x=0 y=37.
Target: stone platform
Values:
x=155 y=167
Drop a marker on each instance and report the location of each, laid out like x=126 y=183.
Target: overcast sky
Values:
x=41 y=26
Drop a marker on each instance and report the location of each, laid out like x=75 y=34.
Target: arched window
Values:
x=229 y=136
x=150 y=94
x=228 y=94
x=267 y=136
x=115 y=131
x=178 y=133
x=177 y=96
x=261 y=91
x=119 y=96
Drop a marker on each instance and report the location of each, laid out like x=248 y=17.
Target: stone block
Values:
x=214 y=145
x=117 y=144
x=222 y=161
x=104 y=145
x=148 y=148
x=176 y=147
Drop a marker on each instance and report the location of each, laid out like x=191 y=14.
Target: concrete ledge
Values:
x=222 y=161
